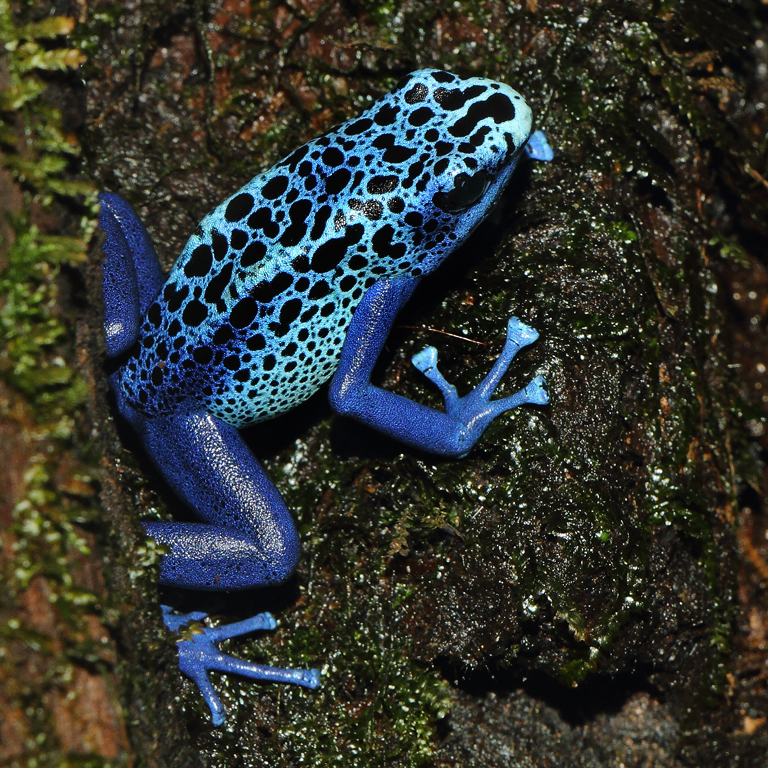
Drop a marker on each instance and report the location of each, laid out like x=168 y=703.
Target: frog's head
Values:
x=439 y=151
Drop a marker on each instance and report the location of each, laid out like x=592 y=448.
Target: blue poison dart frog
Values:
x=293 y=281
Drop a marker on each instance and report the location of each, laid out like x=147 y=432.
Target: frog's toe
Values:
x=520 y=334
x=536 y=392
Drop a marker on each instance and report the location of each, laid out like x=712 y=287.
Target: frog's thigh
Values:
x=249 y=539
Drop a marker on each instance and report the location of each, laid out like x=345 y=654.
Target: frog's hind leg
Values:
x=249 y=539
x=132 y=274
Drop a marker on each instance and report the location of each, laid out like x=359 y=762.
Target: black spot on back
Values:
x=329 y=254
x=220 y=245
x=253 y=254
x=298 y=214
x=337 y=181
x=239 y=207
x=386 y=115
x=194 y=313
x=267 y=290
x=416 y=94
x=358 y=126
x=380 y=185
x=174 y=297
x=274 y=188
x=243 y=313
x=200 y=262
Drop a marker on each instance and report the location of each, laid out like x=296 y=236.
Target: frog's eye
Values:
x=467 y=190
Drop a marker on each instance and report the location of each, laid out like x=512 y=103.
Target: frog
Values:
x=290 y=284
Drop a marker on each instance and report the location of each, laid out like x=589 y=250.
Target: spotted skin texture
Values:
x=294 y=279
x=253 y=315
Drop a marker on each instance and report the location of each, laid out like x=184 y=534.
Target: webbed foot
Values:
x=476 y=410
x=198 y=655
x=538 y=148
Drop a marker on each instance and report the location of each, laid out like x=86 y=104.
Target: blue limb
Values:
x=249 y=539
x=198 y=655
x=538 y=148
x=116 y=214
x=449 y=434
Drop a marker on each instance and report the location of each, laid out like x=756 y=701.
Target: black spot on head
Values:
x=497 y=106
x=357 y=262
x=275 y=187
x=200 y=262
x=380 y=185
x=300 y=264
x=290 y=311
x=456 y=98
x=262 y=220
x=441 y=165
x=154 y=314
x=402 y=82
x=194 y=313
x=398 y=154
x=215 y=289
x=382 y=244
x=239 y=207
x=348 y=283
x=416 y=94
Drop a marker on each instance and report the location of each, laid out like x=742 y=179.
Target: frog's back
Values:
x=253 y=315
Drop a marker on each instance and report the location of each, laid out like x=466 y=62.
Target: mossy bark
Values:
x=593 y=537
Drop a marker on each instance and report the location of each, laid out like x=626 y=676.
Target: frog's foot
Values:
x=476 y=410
x=538 y=148
x=198 y=655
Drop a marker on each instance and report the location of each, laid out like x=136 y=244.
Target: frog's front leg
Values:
x=452 y=433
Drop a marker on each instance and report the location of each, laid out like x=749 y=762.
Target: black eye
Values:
x=467 y=190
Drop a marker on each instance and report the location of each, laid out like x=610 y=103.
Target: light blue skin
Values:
x=294 y=280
